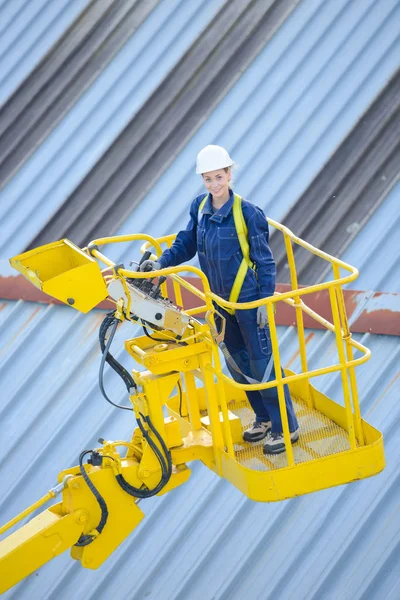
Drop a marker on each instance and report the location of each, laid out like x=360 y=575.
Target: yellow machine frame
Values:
x=202 y=422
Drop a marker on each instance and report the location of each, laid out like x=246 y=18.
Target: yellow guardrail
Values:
x=294 y=297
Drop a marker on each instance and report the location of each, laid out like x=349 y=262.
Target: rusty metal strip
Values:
x=373 y=312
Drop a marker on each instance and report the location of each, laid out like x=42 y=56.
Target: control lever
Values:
x=144 y=282
x=156 y=290
x=145 y=256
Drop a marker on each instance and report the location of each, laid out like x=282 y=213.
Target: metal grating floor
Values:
x=319 y=437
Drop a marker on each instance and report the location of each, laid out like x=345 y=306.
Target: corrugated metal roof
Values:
x=203 y=540
x=28 y=29
x=289 y=111
x=78 y=141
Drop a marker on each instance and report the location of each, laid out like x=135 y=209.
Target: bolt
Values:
x=87 y=561
x=186 y=362
x=82 y=519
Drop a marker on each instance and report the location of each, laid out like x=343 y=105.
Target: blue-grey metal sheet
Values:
x=28 y=29
x=93 y=123
x=376 y=249
x=289 y=111
x=204 y=540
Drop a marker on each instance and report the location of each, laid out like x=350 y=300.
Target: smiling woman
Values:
x=230 y=236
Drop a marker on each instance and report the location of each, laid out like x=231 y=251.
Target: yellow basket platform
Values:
x=323 y=457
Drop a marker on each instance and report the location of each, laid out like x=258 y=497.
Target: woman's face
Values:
x=217 y=183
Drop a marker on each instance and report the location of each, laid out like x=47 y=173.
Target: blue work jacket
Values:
x=213 y=236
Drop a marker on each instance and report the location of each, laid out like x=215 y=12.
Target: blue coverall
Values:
x=213 y=236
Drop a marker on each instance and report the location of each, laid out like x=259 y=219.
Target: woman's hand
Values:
x=262 y=318
x=150 y=265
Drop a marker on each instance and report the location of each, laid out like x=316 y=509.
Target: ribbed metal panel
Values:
x=150 y=142
x=91 y=125
x=376 y=249
x=288 y=112
x=203 y=540
x=348 y=189
x=63 y=75
x=28 y=29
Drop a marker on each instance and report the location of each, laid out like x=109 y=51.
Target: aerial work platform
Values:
x=186 y=407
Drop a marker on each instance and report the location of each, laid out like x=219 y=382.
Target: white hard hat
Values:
x=212 y=158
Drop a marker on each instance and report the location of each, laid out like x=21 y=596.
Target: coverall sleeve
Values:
x=185 y=244
x=260 y=252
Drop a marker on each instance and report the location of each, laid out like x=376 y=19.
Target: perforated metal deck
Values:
x=319 y=437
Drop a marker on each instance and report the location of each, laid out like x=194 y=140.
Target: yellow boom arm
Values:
x=43 y=538
x=75 y=518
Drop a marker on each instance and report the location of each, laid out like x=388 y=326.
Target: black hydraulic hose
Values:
x=154 y=447
x=152 y=337
x=166 y=463
x=85 y=540
x=116 y=366
x=177 y=339
x=166 y=468
x=105 y=349
x=178 y=385
x=108 y=321
x=162 y=443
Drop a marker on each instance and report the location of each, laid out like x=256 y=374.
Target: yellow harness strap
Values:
x=241 y=230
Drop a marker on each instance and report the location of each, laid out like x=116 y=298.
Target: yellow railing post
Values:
x=299 y=315
x=343 y=367
x=349 y=353
x=212 y=407
x=280 y=384
x=222 y=400
x=177 y=293
x=176 y=286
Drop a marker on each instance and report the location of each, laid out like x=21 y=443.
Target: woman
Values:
x=211 y=232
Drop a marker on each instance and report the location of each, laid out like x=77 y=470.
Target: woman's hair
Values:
x=232 y=168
